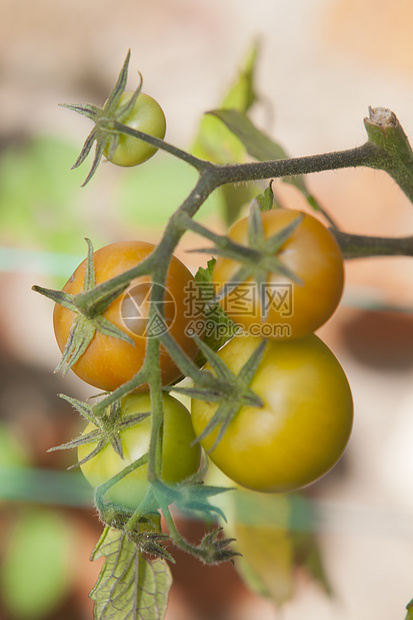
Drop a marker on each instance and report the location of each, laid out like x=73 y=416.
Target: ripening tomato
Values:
x=303 y=427
x=109 y=362
x=179 y=459
x=146 y=116
x=292 y=310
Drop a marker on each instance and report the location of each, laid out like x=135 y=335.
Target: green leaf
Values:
x=129 y=586
x=216 y=143
x=241 y=94
x=219 y=327
x=275 y=536
x=255 y=141
x=33 y=574
x=262 y=147
x=266 y=199
x=213 y=141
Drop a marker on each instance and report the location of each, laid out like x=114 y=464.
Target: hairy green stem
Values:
x=360 y=246
x=365 y=155
x=384 y=130
x=198 y=164
x=386 y=149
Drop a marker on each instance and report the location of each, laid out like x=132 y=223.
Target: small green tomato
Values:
x=147 y=116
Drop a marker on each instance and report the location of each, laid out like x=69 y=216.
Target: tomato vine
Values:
x=386 y=148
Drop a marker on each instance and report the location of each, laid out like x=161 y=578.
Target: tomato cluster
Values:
x=303 y=426
x=303 y=422
x=108 y=363
x=280 y=279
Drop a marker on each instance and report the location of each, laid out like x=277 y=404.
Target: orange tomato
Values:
x=109 y=362
x=292 y=310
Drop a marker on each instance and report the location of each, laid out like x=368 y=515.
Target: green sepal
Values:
x=229 y=390
x=85 y=109
x=88 y=308
x=80 y=336
x=102 y=133
x=85 y=410
x=218 y=547
x=256 y=260
x=109 y=427
x=59 y=297
x=78 y=441
x=109 y=329
x=191 y=499
x=118 y=89
x=150 y=543
x=276 y=241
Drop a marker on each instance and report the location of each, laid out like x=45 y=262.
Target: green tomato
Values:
x=146 y=116
x=303 y=427
x=179 y=459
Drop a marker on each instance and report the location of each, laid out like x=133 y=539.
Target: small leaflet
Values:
x=129 y=586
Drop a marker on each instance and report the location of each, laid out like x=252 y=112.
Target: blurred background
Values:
x=321 y=64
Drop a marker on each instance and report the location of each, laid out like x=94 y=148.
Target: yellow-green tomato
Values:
x=303 y=427
x=179 y=459
x=146 y=116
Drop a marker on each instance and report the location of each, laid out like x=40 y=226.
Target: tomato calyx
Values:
x=257 y=260
x=191 y=496
x=149 y=543
x=145 y=533
x=268 y=261
x=192 y=499
x=108 y=428
x=89 y=310
x=216 y=548
x=106 y=132
x=144 y=530
x=231 y=391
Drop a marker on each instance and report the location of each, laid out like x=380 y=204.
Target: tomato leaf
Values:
x=219 y=327
x=263 y=148
x=256 y=142
x=218 y=144
x=213 y=141
x=129 y=586
x=266 y=199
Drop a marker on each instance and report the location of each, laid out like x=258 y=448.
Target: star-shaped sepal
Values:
x=88 y=314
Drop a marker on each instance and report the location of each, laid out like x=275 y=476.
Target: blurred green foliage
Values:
x=40 y=204
x=33 y=573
